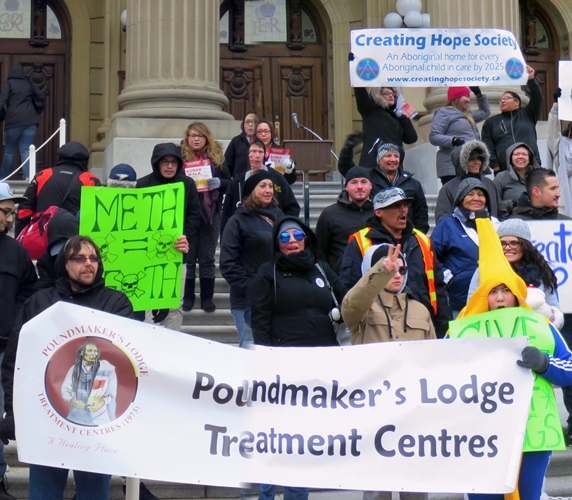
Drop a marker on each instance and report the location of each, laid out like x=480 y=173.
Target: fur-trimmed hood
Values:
x=460 y=156
x=376 y=96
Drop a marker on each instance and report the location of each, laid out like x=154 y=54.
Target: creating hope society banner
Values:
x=553 y=239
x=359 y=417
x=135 y=230
x=435 y=57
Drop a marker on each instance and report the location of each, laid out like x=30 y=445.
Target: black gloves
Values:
x=457 y=141
x=533 y=359
x=557 y=94
x=351 y=56
x=7 y=429
x=354 y=139
x=159 y=315
x=475 y=90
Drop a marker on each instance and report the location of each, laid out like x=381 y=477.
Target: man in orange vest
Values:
x=391 y=225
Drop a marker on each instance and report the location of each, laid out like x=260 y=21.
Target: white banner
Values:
x=553 y=238
x=435 y=57
x=452 y=411
x=565 y=83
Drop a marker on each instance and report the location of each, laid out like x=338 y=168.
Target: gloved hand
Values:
x=353 y=140
x=213 y=183
x=159 y=315
x=7 y=429
x=533 y=359
x=351 y=56
x=475 y=90
x=288 y=165
x=457 y=141
x=397 y=112
x=557 y=94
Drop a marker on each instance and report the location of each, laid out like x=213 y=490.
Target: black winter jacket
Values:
x=380 y=122
x=524 y=210
x=50 y=185
x=236 y=154
x=337 y=223
x=17 y=280
x=97 y=296
x=419 y=211
x=244 y=246
x=282 y=191
x=502 y=130
x=192 y=207
x=290 y=301
x=350 y=271
x=18 y=95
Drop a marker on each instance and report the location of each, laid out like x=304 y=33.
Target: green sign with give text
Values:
x=543 y=430
x=135 y=230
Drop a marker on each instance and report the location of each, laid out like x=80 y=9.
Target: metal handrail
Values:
x=32 y=157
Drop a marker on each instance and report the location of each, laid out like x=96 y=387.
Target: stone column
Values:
x=172 y=76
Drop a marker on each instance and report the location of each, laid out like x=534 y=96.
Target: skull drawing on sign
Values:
x=130 y=283
x=163 y=247
x=104 y=245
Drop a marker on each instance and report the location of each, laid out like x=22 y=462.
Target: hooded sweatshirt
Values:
x=460 y=158
x=18 y=95
x=192 y=208
x=60 y=185
x=509 y=184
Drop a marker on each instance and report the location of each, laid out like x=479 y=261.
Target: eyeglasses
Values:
x=263 y=132
x=511 y=244
x=285 y=237
x=196 y=136
x=388 y=94
x=507 y=98
x=82 y=260
x=251 y=122
x=166 y=163
x=8 y=212
x=402 y=270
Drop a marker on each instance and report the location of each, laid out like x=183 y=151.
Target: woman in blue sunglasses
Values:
x=293 y=301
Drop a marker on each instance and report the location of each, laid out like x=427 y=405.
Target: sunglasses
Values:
x=285 y=237
x=402 y=270
x=82 y=260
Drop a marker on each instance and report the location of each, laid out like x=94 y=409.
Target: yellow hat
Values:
x=494 y=270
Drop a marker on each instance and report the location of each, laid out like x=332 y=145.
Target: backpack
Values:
x=34 y=236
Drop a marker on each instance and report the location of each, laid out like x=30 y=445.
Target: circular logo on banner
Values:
x=514 y=68
x=320 y=282
x=367 y=69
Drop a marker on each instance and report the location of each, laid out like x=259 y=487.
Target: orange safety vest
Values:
x=364 y=243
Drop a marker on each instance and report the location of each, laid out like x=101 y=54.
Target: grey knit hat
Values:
x=388 y=197
x=514 y=227
x=466 y=186
x=385 y=148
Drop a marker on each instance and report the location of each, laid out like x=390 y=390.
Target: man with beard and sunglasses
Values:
x=80 y=282
x=391 y=225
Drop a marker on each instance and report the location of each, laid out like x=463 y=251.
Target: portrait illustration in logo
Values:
x=90 y=381
x=514 y=68
x=367 y=69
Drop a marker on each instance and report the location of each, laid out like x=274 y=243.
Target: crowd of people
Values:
x=369 y=273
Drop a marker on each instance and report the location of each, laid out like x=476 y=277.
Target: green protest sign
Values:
x=543 y=430
x=135 y=230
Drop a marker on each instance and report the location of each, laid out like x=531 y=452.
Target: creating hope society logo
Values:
x=514 y=68
x=367 y=69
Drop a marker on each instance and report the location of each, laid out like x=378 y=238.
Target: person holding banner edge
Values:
x=265 y=132
x=514 y=124
x=80 y=282
x=547 y=356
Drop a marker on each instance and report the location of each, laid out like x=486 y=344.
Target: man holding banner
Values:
x=80 y=282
